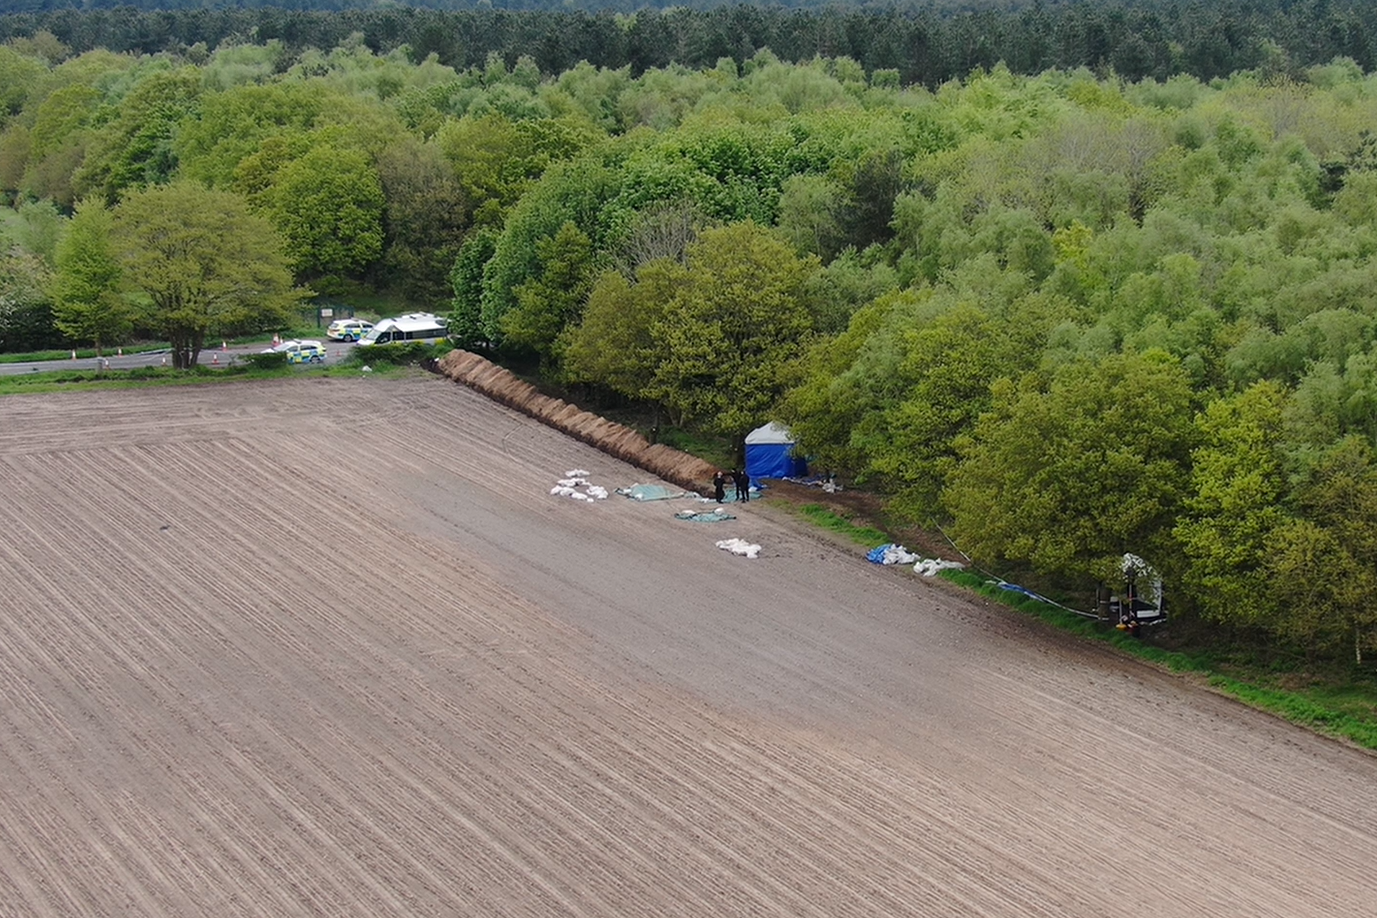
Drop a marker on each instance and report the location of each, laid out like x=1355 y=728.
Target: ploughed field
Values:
x=331 y=647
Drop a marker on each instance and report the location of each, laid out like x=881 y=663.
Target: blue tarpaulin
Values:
x=1015 y=588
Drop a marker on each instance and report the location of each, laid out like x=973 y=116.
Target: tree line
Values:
x=925 y=43
x=1067 y=315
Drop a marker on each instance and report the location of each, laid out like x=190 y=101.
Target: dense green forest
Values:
x=927 y=43
x=1065 y=314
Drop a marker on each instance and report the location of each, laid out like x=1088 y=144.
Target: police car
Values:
x=348 y=329
x=299 y=351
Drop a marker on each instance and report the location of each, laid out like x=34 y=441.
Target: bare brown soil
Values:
x=616 y=440
x=331 y=647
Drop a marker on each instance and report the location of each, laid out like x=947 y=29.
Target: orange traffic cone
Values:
x=119 y=352
x=74 y=355
x=215 y=359
x=224 y=346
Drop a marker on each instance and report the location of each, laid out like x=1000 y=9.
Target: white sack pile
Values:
x=929 y=567
x=569 y=485
x=898 y=554
x=739 y=547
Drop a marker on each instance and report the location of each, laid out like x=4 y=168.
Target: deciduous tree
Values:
x=19 y=76
x=1323 y=569
x=949 y=363
x=613 y=346
x=87 y=304
x=729 y=340
x=1068 y=477
x=39 y=228
x=205 y=265
x=229 y=126
x=466 y=280
x=135 y=148
x=553 y=300
x=424 y=218
x=1233 y=507
x=25 y=306
x=843 y=379
x=328 y=205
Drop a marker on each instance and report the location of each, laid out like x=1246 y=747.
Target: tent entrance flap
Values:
x=770 y=454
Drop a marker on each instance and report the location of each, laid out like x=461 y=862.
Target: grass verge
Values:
x=832 y=522
x=145 y=377
x=1313 y=709
x=135 y=378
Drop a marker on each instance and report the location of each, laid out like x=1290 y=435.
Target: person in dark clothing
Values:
x=743 y=485
x=719 y=486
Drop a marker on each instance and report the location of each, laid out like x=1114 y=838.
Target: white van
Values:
x=414 y=326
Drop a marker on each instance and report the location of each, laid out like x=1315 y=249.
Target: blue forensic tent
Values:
x=770 y=454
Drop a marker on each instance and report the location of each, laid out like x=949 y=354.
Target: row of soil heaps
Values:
x=498 y=384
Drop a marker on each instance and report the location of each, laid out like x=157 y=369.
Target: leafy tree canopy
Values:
x=88 y=305
x=1068 y=477
x=202 y=265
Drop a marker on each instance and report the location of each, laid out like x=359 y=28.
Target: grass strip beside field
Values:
x=832 y=522
x=145 y=377
x=134 y=378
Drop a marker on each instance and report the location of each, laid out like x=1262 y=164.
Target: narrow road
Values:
x=216 y=357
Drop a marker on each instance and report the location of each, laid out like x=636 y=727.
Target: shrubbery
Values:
x=416 y=354
x=272 y=361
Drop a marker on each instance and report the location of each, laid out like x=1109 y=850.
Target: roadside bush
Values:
x=273 y=361
x=152 y=372
x=416 y=353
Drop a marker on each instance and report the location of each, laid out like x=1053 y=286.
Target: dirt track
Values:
x=330 y=647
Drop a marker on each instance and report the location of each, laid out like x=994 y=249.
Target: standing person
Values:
x=719 y=486
x=743 y=485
